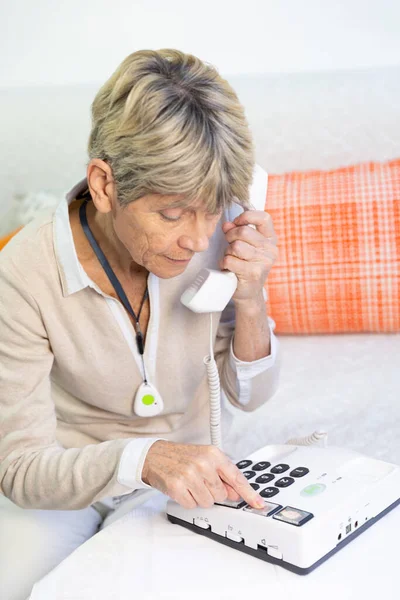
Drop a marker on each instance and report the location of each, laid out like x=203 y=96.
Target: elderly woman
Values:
x=90 y=313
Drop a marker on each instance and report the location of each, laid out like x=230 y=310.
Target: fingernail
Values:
x=260 y=503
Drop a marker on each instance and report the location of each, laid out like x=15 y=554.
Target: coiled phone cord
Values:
x=215 y=394
x=318 y=437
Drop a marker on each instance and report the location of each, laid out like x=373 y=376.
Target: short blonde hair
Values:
x=168 y=123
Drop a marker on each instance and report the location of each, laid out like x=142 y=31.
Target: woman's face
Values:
x=160 y=238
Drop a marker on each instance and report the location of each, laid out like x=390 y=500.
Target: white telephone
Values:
x=316 y=501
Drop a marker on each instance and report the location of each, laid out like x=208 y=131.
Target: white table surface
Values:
x=142 y=555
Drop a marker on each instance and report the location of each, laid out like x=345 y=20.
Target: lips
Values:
x=179 y=259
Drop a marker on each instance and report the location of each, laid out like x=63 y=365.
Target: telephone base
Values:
x=316 y=501
x=262 y=553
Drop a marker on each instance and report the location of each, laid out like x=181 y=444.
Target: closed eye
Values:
x=169 y=218
x=209 y=216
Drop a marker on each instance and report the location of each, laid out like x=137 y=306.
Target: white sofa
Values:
x=347 y=385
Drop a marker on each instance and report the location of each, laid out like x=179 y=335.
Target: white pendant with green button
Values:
x=148 y=402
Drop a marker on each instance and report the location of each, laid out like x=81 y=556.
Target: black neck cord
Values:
x=114 y=281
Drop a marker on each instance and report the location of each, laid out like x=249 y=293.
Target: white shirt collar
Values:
x=73 y=276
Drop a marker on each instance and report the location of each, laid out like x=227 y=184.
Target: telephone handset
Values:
x=211 y=291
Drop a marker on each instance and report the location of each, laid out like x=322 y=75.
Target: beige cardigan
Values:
x=68 y=375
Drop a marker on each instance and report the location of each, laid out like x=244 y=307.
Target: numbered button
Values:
x=269 y=492
x=255 y=486
x=243 y=464
x=281 y=468
x=299 y=472
x=265 y=478
x=284 y=482
x=261 y=466
x=249 y=474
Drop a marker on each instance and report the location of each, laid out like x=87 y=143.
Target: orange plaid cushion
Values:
x=339 y=250
x=7 y=238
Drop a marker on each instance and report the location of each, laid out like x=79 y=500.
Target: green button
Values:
x=148 y=399
x=313 y=490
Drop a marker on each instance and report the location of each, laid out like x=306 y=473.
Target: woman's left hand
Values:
x=251 y=252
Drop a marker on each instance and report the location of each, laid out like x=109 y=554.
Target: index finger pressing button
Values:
x=268 y=509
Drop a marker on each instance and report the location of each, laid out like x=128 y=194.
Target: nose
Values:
x=198 y=238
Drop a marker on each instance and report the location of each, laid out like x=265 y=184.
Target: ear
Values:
x=101 y=185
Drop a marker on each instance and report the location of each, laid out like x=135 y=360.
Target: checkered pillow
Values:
x=339 y=250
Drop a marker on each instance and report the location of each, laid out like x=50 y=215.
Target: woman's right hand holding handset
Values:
x=196 y=475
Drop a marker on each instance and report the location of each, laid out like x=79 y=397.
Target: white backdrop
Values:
x=320 y=81
x=47 y=42
x=299 y=121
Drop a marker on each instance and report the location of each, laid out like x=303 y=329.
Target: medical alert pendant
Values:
x=148 y=402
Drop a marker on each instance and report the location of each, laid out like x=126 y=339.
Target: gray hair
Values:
x=168 y=123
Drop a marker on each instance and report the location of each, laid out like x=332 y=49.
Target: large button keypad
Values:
x=289 y=514
x=270 y=476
